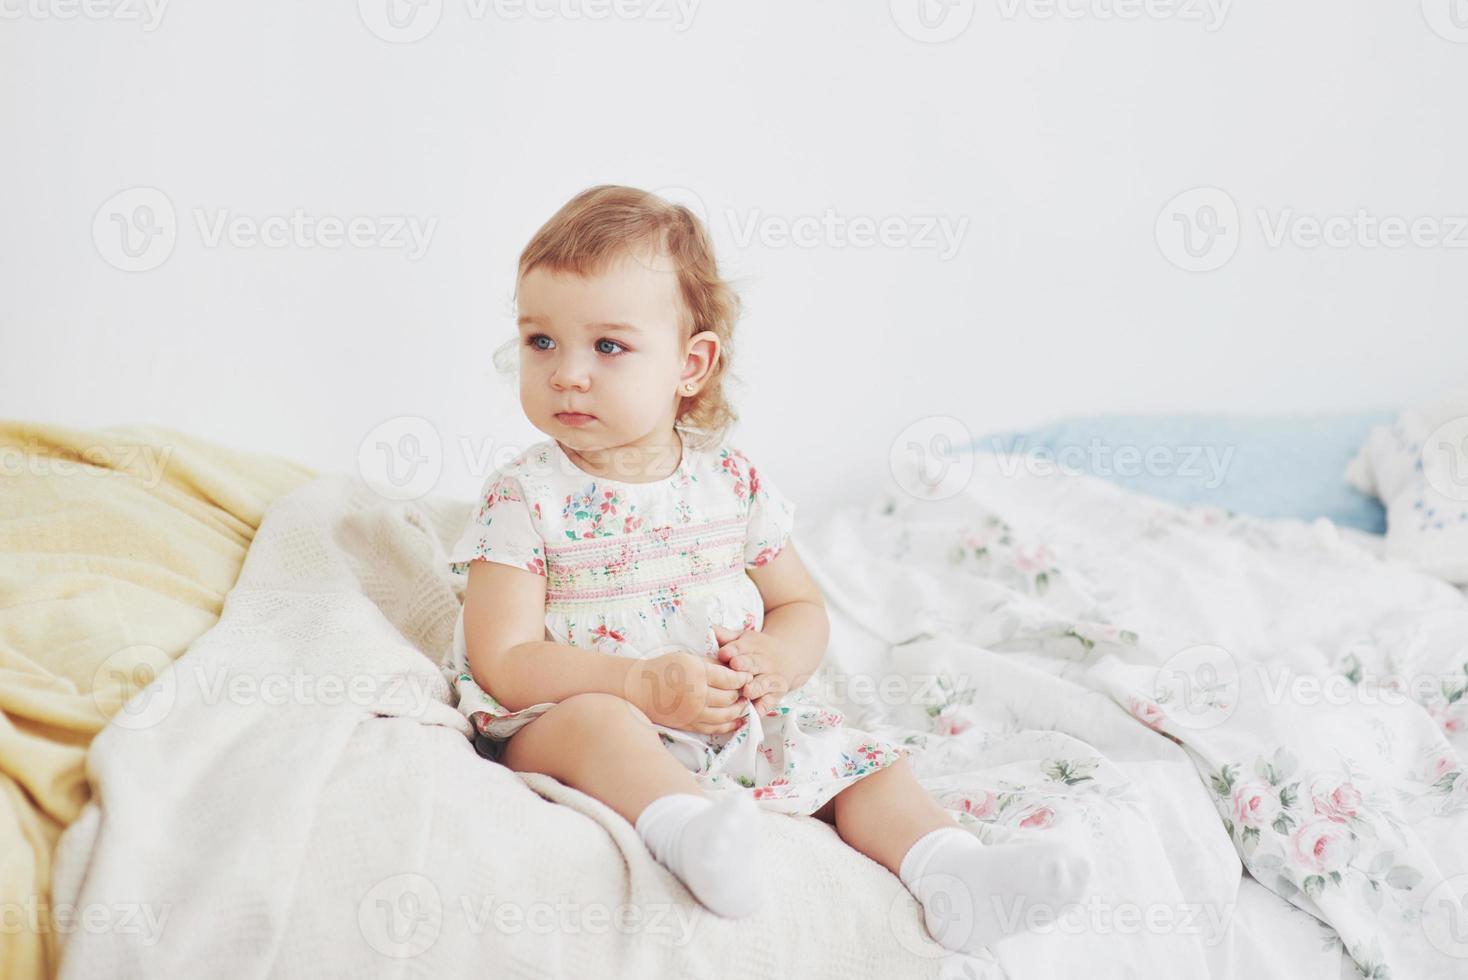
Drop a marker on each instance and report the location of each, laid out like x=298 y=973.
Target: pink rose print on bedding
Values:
x=1255 y=804
x=1335 y=799
x=1038 y=819
x=1322 y=846
x=1147 y=712
x=983 y=808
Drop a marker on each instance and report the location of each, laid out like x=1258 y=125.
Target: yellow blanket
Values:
x=116 y=549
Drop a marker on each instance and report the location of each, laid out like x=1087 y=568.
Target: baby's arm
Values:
x=509 y=656
x=796 y=630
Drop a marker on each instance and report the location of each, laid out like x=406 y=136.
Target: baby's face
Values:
x=609 y=345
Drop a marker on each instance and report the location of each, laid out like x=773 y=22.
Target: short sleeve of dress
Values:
x=771 y=519
x=503 y=529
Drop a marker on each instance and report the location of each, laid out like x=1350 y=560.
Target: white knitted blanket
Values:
x=298 y=798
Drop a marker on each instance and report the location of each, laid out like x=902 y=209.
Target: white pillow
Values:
x=1418 y=468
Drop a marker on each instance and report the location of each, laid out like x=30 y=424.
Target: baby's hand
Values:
x=753 y=651
x=689 y=692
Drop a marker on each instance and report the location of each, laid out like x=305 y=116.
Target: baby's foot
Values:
x=711 y=845
x=976 y=895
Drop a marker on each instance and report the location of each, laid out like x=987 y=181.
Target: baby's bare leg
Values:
x=881 y=815
x=604 y=746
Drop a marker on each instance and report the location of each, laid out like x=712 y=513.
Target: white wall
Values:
x=1056 y=141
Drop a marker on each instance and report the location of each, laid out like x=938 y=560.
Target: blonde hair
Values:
x=604 y=222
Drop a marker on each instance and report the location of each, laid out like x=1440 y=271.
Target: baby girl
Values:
x=637 y=622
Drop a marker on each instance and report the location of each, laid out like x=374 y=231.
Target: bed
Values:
x=1179 y=685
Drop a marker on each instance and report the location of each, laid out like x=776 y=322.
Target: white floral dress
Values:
x=638 y=569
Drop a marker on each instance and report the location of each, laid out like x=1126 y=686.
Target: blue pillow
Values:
x=1264 y=466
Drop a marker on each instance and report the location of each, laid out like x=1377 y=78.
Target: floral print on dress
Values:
x=503 y=530
x=637 y=570
x=769 y=513
x=594 y=512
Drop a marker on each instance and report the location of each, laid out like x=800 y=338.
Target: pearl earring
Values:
x=688 y=388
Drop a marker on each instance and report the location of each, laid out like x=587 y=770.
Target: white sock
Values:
x=974 y=894
x=709 y=845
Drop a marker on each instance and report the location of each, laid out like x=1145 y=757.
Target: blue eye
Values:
x=534 y=342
